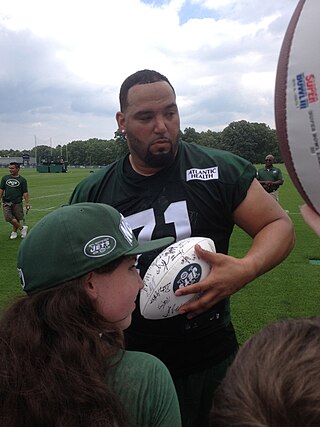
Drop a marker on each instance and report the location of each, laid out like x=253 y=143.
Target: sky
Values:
x=63 y=62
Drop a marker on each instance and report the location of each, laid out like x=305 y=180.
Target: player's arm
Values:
x=26 y=199
x=1 y=194
x=279 y=181
x=273 y=238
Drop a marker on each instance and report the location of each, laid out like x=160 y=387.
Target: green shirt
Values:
x=14 y=187
x=146 y=391
x=270 y=174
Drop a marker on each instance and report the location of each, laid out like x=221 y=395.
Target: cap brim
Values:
x=150 y=246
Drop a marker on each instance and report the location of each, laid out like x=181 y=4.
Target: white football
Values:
x=297 y=106
x=175 y=267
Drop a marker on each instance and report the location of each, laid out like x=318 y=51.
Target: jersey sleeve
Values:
x=146 y=390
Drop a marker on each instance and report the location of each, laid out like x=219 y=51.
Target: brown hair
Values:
x=55 y=350
x=139 y=78
x=274 y=380
x=16 y=164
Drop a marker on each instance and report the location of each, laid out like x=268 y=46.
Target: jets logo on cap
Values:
x=100 y=246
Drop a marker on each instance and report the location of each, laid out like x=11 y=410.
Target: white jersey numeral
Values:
x=176 y=213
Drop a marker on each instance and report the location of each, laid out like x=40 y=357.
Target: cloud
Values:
x=62 y=63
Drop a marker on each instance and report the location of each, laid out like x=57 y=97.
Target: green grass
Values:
x=289 y=290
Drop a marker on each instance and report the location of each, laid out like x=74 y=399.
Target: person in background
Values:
x=311 y=218
x=167 y=187
x=62 y=357
x=274 y=379
x=13 y=188
x=270 y=177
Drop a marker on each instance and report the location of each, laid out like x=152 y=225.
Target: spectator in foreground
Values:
x=62 y=361
x=274 y=379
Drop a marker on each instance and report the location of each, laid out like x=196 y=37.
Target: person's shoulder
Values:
x=215 y=153
x=141 y=370
x=146 y=390
x=84 y=188
x=99 y=174
x=142 y=361
x=199 y=154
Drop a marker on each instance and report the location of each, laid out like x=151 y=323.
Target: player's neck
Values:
x=142 y=169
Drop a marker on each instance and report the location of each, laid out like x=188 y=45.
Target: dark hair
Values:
x=16 y=164
x=55 y=350
x=139 y=78
x=274 y=380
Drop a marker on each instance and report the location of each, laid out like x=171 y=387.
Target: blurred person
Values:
x=274 y=379
x=62 y=357
x=14 y=188
x=167 y=187
x=270 y=177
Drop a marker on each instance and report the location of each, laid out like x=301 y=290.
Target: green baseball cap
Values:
x=74 y=240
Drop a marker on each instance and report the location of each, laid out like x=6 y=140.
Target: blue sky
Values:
x=62 y=63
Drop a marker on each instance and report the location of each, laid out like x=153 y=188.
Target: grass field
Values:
x=290 y=290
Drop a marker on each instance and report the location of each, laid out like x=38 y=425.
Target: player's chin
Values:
x=159 y=159
x=125 y=323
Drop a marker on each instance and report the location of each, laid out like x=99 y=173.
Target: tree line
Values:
x=253 y=141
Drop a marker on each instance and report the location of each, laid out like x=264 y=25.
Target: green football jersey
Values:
x=195 y=196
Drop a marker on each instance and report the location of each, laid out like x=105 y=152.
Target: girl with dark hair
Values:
x=62 y=358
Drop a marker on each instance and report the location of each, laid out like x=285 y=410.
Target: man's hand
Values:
x=227 y=276
x=311 y=217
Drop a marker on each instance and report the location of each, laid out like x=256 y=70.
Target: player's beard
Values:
x=159 y=160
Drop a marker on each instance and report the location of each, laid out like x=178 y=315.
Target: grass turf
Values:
x=289 y=290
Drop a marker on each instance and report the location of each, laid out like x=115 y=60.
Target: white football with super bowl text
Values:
x=176 y=266
x=297 y=101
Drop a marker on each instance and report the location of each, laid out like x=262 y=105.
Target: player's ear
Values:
x=121 y=121
x=90 y=286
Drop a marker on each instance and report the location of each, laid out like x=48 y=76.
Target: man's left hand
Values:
x=227 y=276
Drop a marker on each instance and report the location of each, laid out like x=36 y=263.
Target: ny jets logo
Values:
x=12 y=182
x=99 y=246
x=188 y=276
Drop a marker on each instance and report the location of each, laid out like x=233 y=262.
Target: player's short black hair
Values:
x=139 y=78
x=16 y=164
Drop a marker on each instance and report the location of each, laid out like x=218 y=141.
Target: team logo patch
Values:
x=202 y=174
x=100 y=246
x=11 y=182
x=21 y=277
x=187 y=276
